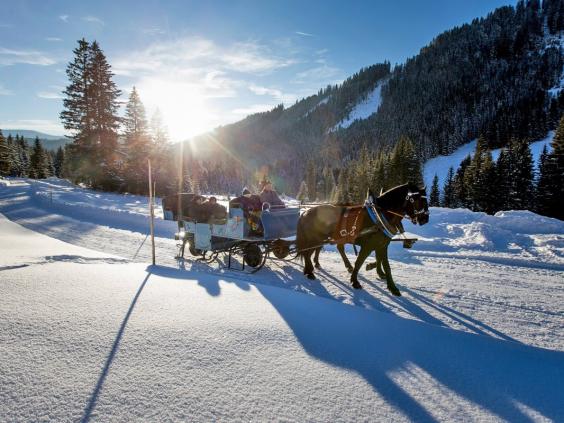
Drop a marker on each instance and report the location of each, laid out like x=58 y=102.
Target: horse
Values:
x=380 y=219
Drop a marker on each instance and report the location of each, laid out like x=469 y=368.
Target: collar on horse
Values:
x=377 y=216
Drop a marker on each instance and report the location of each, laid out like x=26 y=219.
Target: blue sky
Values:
x=209 y=63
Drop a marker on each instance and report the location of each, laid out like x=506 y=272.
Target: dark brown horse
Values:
x=380 y=217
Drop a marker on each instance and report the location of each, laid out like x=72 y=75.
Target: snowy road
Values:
x=86 y=336
x=487 y=294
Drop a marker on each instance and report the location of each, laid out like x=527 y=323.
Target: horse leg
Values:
x=348 y=265
x=373 y=265
x=364 y=252
x=377 y=265
x=316 y=258
x=383 y=254
x=308 y=268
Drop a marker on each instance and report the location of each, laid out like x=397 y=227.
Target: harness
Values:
x=350 y=222
x=378 y=217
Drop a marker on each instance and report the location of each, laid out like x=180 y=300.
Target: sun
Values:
x=183 y=106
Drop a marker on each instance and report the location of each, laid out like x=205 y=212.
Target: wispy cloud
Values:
x=304 y=34
x=93 y=19
x=31 y=57
x=51 y=127
x=154 y=30
x=321 y=75
x=64 y=18
x=279 y=95
x=5 y=25
x=5 y=91
x=255 y=108
x=201 y=54
x=54 y=39
x=49 y=95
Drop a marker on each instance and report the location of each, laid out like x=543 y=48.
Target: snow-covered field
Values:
x=96 y=333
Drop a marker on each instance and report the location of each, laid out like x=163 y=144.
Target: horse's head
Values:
x=417 y=207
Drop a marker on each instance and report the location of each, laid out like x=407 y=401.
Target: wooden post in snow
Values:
x=151 y=213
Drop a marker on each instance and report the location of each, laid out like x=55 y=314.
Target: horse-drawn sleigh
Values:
x=289 y=231
x=233 y=233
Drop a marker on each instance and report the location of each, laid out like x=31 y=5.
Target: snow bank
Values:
x=440 y=165
x=521 y=236
x=64 y=192
x=84 y=337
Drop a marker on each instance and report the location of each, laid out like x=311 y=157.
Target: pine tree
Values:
x=90 y=113
x=503 y=182
x=49 y=163
x=521 y=182
x=163 y=159
x=342 y=193
x=311 y=180
x=38 y=161
x=460 y=187
x=5 y=154
x=488 y=195
x=104 y=95
x=15 y=162
x=302 y=193
x=137 y=144
x=551 y=182
x=77 y=115
x=328 y=183
x=434 y=198
x=449 y=198
x=23 y=156
x=379 y=174
x=405 y=165
x=361 y=176
x=59 y=162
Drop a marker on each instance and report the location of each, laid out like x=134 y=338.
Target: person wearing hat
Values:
x=268 y=195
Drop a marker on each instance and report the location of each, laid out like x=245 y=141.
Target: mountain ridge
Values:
x=497 y=76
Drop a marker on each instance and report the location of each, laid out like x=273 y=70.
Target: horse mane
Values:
x=393 y=196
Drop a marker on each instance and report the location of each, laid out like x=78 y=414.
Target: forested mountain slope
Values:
x=498 y=76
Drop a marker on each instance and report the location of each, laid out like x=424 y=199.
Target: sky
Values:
x=205 y=64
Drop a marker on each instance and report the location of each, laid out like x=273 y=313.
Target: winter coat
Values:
x=271 y=197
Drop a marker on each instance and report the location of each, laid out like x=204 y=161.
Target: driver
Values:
x=268 y=195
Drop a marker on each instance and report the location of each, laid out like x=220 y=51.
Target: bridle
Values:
x=416 y=212
x=376 y=213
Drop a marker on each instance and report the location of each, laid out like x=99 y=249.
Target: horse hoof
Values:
x=357 y=285
x=317 y=266
x=394 y=291
x=370 y=266
x=310 y=276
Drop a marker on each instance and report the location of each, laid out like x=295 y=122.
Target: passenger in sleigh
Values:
x=252 y=208
x=214 y=212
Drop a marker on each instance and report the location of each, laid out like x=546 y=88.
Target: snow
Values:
x=440 y=165
x=97 y=333
x=556 y=41
x=87 y=336
x=364 y=109
x=509 y=237
x=321 y=102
